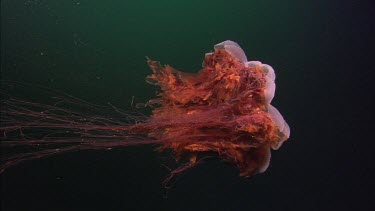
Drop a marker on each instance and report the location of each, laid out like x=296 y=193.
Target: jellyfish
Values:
x=224 y=109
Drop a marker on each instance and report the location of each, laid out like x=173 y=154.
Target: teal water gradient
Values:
x=322 y=52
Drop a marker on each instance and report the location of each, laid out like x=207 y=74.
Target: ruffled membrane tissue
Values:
x=225 y=108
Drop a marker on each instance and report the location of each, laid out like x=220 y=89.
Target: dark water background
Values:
x=322 y=52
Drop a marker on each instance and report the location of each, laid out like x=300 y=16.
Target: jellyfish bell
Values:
x=278 y=119
x=233 y=49
x=269 y=91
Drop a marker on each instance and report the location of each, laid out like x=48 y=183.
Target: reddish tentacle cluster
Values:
x=220 y=109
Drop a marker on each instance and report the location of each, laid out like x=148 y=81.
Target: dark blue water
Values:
x=322 y=52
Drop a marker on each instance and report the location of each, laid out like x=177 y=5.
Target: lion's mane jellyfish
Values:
x=223 y=109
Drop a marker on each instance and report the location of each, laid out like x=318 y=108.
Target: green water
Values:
x=95 y=50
